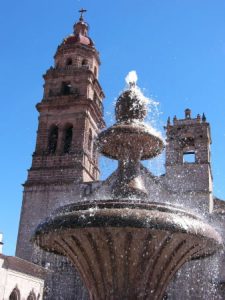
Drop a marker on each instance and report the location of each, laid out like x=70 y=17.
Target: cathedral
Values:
x=65 y=169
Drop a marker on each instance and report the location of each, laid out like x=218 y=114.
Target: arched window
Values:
x=31 y=296
x=95 y=153
x=69 y=61
x=53 y=139
x=68 y=135
x=95 y=97
x=89 y=140
x=15 y=295
x=84 y=63
x=50 y=93
x=95 y=71
x=66 y=88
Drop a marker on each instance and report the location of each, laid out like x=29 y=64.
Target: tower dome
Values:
x=80 y=33
x=77 y=51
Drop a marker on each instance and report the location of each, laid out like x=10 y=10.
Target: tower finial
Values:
x=82 y=11
x=168 y=121
x=203 y=118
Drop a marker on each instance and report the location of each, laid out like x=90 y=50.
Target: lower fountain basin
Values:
x=127 y=250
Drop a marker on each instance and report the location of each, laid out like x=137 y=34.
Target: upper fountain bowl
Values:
x=130 y=137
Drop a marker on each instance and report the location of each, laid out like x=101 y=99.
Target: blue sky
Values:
x=177 y=48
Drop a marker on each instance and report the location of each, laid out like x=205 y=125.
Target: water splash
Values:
x=153 y=120
x=131 y=78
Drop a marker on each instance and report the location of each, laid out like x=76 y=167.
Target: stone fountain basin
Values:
x=127 y=250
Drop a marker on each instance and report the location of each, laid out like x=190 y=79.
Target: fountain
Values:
x=127 y=247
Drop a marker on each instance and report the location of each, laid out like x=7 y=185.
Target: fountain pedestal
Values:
x=123 y=248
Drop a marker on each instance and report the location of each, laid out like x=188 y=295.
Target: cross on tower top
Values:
x=82 y=11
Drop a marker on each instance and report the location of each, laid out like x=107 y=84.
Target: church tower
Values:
x=70 y=114
x=188 y=159
x=65 y=157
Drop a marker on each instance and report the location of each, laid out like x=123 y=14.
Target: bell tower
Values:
x=70 y=113
x=65 y=160
x=188 y=159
